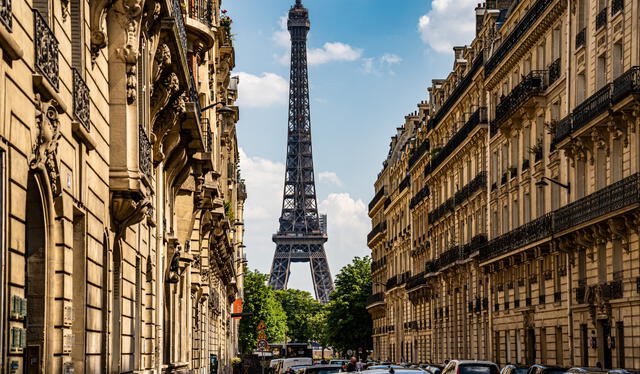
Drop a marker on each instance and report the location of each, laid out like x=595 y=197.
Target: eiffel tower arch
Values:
x=302 y=231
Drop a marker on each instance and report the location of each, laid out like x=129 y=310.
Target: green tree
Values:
x=351 y=324
x=300 y=307
x=260 y=300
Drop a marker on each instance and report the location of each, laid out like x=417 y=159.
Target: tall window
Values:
x=77 y=35
x=557 y=43
x=601 y=71
x=617 y=59
x=581 y=88
x=582 y=14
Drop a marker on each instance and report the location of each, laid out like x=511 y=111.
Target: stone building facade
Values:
x=121 y=203
x=525 y=166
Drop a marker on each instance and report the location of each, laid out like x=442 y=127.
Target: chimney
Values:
x=480 y=11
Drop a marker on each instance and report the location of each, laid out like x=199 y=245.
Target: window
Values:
x=559 y=346
x=581 y=88
x=77 y=35
x=582 y=267
x=582 y=14
x=515 y=214
x=527 y=207
x=543 y=344
x=505 y=219
x=616 y=160
x=617 y=259
x=557 y=43
x=620 y=338
x=617 y=59
x=601 y=168
x=542 y=63
x=601 y=71
x=581 y=178
x=540 y=201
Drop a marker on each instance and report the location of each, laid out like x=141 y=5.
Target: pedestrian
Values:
x=351 y=366
x=359 y=365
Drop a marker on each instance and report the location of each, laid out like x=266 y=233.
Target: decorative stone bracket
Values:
x=45 y=149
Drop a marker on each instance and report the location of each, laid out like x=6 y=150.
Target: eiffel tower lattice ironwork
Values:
x=302 y=231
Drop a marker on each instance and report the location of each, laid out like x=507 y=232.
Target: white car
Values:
x=284 y=365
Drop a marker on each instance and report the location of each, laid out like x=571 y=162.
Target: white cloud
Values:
x=333 y=52
x=262 y=91
x=330 y=51
x=448 y=23
x=380 y=65
x=348 y=222
x=330 y=178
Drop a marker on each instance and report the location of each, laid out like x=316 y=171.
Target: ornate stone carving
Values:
x=128 y=209
x=166 y=121
x=45 y=149
x=161 y=60
x=169 y=85
x=97 y=20
x=129 y=53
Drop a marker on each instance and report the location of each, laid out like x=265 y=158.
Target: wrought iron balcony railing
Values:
x=581 y=38
x=601 y=18
x=418 y=152
x=554 y=71
x=406 y=182
x=477 y=118
x=616 y=6
x=182 y=35
x=6 y=15
x=378 y=229
x=459 y=253
x=609 y=199
x=478 y=183
x=144 y=152
x=421 y=195
x=81 y=104
x=455 y=94
x=513 y=39
x=416 y=281
x=206 y=129
x=375 y=298
x=387 y=202
x=378 y=264
x=533 y=84
x=528 y=233
x=201 y=10
x=379 y=195
x=598 y=103
x=46 y=50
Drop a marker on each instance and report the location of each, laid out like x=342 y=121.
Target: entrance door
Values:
x=531 y=346
x=605 y=341
x=35 y=273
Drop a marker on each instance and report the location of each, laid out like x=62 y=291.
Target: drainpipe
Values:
x=159 y=316
x=567 y=75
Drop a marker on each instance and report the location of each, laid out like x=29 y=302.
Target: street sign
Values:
x=349 y=353
x=263 y=345
x=262 y=325
x=262 y=335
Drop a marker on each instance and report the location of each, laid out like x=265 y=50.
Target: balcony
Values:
x=477 y=118
x=378 y=264
x=206 y=129
x=81 y=105
x=201 y=10
x=377 y=298
x=534 y=84
x=459 y=253
x=609 y=199
x=626 y=85
x=378 y=229
x=416 y=281
x=513 y=39
x=376 y=199
x=601 y=18
x=387 y=202
x=554 y=71
x=478 y=183
x=46 y=51
x=418 y=152
x=456 y=94
x=616 y=7
x=417 y=198
x=526 y=234
x=581 y=38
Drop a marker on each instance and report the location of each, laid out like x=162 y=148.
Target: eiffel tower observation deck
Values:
x=302 y=231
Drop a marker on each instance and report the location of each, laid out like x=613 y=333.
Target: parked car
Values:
x=514 y=369
x=383 y=367
x=580 y=370
x=284 y=365
x=299 y=369
x=433 y=369
x=543 y=369
x=339 y=362
x=323 y=369
x=470 y=367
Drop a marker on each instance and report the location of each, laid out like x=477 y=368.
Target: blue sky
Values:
x=371 y=63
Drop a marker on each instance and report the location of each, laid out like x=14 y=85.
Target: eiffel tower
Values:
x=302 y=231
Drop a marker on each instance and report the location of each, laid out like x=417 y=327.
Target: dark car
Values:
x=322 y=369
x=580 y=370
x=514 y=369
x=543 y=369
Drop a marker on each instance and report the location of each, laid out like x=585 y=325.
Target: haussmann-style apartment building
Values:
x=121 y=203
x=505 y=218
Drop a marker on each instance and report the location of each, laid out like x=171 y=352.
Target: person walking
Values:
x=351 y=366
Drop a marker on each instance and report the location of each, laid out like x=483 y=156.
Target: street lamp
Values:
x=542 y=183
x=224 y=104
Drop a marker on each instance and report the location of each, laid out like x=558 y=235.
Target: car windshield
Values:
x=478 y=369
x=521 y=371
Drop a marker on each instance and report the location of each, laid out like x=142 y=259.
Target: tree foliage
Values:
x=260 y=300
x=300 y=308
x=346 y=314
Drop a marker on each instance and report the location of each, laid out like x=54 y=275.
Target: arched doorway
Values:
x=35 y=277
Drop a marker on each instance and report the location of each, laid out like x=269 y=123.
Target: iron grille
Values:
x=542 y=299
x=379 y=228
x=626 y=84
x=46 y=50
x=6 y=15
x=145 y=152
x=581 y=38
x=201 y=10
x=532 y=85
x=81 y=103
x=379 y=195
